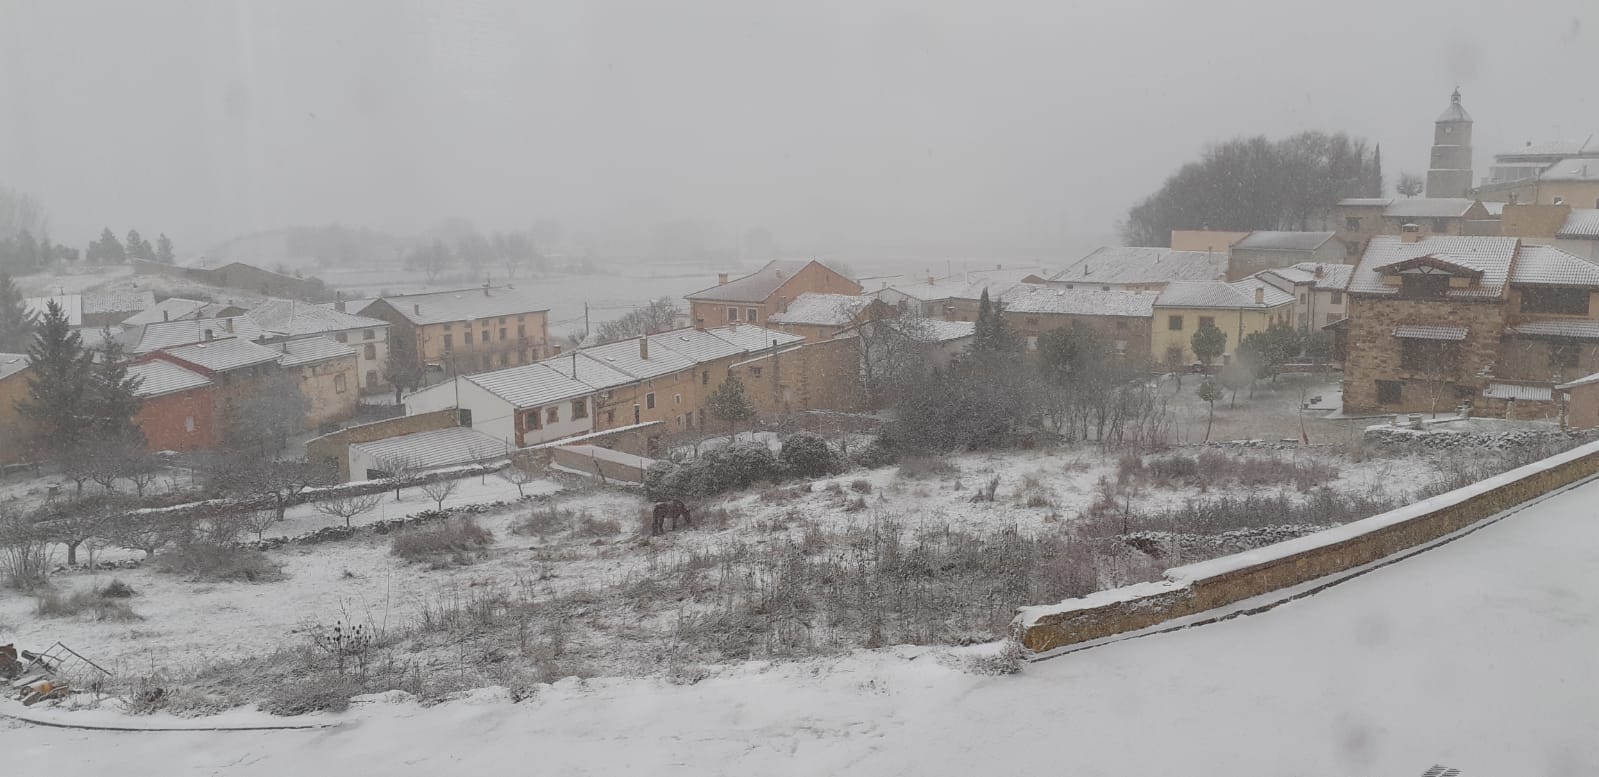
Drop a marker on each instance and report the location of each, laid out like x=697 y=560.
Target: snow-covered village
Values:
x=868 y=389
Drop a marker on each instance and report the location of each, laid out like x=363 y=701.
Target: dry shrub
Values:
x=546 y=521
x=1213 y=468
x=452 y=541
x=861 y=486
x=53 y=605
x=784 y=495
x=215 y=562
x=116 y=589
x=924 y=467
x=596 y=528
x=325 y=692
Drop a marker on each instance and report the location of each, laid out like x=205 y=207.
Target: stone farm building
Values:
x=754 y=298
x=1132 y=268
x=283 y=320
x=1120 y=317
x=464 y=331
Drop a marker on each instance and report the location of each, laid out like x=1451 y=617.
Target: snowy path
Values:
x=1478 y=655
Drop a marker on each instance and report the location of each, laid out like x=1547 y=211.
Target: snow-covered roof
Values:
x=1455 y=112
x=1129 y=265
x=1430 y=332
x=158 y=376
x=590 y=371
x=1583 y=223
x=1559 y=148
x=71 y=305
x=1585 y=381
x=931 y=330
x=962 y=286
x=1365 y=202
x=1489 y=256
x=756 y=286
x=12 y=363
x=822 y=310
x=310 y=350
x=530 y=385
x=117 y=301
x=624 y=356
x=224 y=355
x=291 y=318
x=436 y=448
x=1429 y=207
x=1576 y=170
x=169 y=309
x=166 y=334
x=1261 y=240
x=1216 y=294
x=440 y=307
x=1056 y=300
x=701 y=345
x=1518 y=391
x=1332 y=277
x=1549 y=266
x=1585 y=329
x=752 y=338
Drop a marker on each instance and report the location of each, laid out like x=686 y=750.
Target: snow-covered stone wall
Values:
x=1207 y=585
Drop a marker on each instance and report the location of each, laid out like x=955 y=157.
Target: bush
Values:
x=204 y=561
x=327 y=693
x=861 y=486
x=54 y=605
x=1009 y=659
x=116 y=589
x=876 y=454
x=452 y=540
x=665 y=480
x=808 y=456
x=746 y=463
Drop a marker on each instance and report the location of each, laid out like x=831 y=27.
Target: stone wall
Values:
x=1207 y=585
x=1376 y=357
x=611 y=465
x=335 y=448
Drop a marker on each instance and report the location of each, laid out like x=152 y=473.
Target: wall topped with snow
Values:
x=1207 y=585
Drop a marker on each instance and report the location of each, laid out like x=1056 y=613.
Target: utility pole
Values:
x=586 y=329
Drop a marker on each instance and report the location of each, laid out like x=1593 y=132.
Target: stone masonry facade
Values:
x=1377 y=356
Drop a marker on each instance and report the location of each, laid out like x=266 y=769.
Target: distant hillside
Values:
x=311 y=247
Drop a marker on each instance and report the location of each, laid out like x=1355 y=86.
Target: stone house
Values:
x=329 y=377
x=518 y=406
x=248 y=277
x=818 y=317
x=1318 y=291
x=952 y=298
x=1358 y=220
x=1238 y=309
x=170 y=334
x=283 y=320
x=1132 y=268
x=1573 y=182
x=817 y=375
x=1262 y=250
x=465 y=331
x=1489 y=321
x=15 y=429
x=178 y=406
x=1214 y=241
x=754 y=298
x=1122 y=318
x=237 y=369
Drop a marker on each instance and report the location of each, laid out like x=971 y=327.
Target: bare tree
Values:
x=1173 y=360
x=894 y=355
x=144 y=531
x=1436 y=363
x=519 y=476
x=401 y=471
x=74 y=523
x=24 y=551
x=269 y=414
x=1410 y=185
x=658 y=316
x=277 y=483
x=259 y=521
x=348 y=507
x=440 y=490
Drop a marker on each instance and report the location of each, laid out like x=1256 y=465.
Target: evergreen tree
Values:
x=16 y=321
x=1376 y=185
x=139 y=248
x=58 y=382
x=728 y=403
x=163 y=249
x=113 y=400
x=993 y=331
x=107 y=250
x=1208 y=343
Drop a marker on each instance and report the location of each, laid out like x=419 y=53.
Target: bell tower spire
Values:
x=1449 y=174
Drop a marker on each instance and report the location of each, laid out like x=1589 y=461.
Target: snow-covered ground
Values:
x=1476 y=655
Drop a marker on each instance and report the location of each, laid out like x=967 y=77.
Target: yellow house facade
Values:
x=1238 y=309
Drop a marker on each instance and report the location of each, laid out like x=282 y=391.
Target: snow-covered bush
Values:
x=747 y=462
x=807 y=455
x=875 y=454
x=665 y=480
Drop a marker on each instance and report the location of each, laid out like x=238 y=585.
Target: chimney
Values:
x=485 y=290
x=1320 y=271
x=721 y=279
x=1260 y=295
x=166 y=315
x=699 y=324
x=208 y=335
x=644 y=347
x=1409 y=233
x=417 y=308
x=227 y=323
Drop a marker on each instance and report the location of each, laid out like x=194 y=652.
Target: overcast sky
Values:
x=842 y=125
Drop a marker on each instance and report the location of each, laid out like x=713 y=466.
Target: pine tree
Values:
x=16 y=321
x=993 y=331
x=113 y=398
x=728 y=403
x=1376 y=185
x=163 y=249
x=1208 y=342
x=58 y=382
x=107 y=250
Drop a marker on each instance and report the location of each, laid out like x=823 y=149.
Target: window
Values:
x=649 y=400
x=1564 y=355
x=1388 y=392
x=1351 y=249
x=370 y=352
x=341 y=337
x=521 y=356
x=505 y=359
x=1302 y=298
x=1351 y=223
x=468 y=337
x=531 y=421
x=1032 y=321
x=580 y=409
x=368 y=334
x=1336 y=298
x=1430 y=286
x=552 y=415
x=751 y=315
x=339 y=384
x=1174 y=323
x=755 y=372
x=610 y=416
x=1440 y=226
x=1426 y=355
x=371 y=377
x=732 y=314
x=1465 y=393
x=188 y=424
x=705 y=378
x=1331 y=318
x=677 y=399
x=502 y=334
x=449 y=342
x=1205 y=321
x=1120 y=324
x=502 y=320
x=447 y=327
x=485 y=337
x=521 y=330
x=1571 y=302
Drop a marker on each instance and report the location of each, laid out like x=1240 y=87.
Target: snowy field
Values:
x=1476 y=656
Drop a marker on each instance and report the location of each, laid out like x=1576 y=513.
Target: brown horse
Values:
x=672 y=508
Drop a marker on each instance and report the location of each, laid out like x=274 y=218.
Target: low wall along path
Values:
x=1207 y=585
